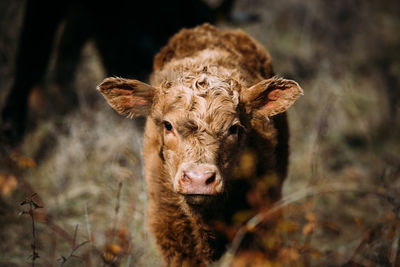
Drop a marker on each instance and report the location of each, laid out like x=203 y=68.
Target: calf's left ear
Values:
x=270 y=97
x=128 y=97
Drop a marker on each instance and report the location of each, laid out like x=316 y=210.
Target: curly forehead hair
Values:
x=207 y=102
x=207 y=92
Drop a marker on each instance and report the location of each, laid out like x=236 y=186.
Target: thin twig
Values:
x=34 y=253
x=128 y=262
x=116 y=210
x=117 y=205
x=395 y=248
x=115 y=223
x=74 y=247
x=367 y=238
x=49 y=221
x=32 y=206
x=88 y=227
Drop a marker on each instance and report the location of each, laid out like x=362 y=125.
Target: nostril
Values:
x=211 y=179
x=186 y=178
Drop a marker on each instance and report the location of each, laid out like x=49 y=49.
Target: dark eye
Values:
x=167 y=126
x=233 y=129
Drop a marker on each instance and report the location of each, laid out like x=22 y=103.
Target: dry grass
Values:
x=341 y=196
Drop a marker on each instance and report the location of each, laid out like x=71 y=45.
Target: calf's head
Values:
x=200 y=123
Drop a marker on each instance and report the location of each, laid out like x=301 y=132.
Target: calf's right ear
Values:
x=128 y=97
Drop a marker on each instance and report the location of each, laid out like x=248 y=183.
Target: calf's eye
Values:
x=167 y=126
x=233 y=129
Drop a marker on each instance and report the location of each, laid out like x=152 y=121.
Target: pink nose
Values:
x=198 y=182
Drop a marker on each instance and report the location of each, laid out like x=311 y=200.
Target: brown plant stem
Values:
x=74 y=248
x=48 y=219
x=34 y=253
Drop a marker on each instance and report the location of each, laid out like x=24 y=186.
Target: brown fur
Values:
x=213 y=99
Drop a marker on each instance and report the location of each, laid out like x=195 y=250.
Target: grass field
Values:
x=341 y=198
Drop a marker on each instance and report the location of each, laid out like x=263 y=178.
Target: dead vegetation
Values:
x=340 y=205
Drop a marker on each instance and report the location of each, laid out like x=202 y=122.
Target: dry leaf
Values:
x=8 y=183
x=308 y=228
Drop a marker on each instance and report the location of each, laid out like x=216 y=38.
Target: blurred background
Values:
x=73 y=165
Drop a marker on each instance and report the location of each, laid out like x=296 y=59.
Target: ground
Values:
x=340 y=200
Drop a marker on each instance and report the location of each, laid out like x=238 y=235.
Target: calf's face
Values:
x=200 y=128
x=201 y=123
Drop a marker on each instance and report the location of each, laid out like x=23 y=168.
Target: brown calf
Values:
x=212 y=98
